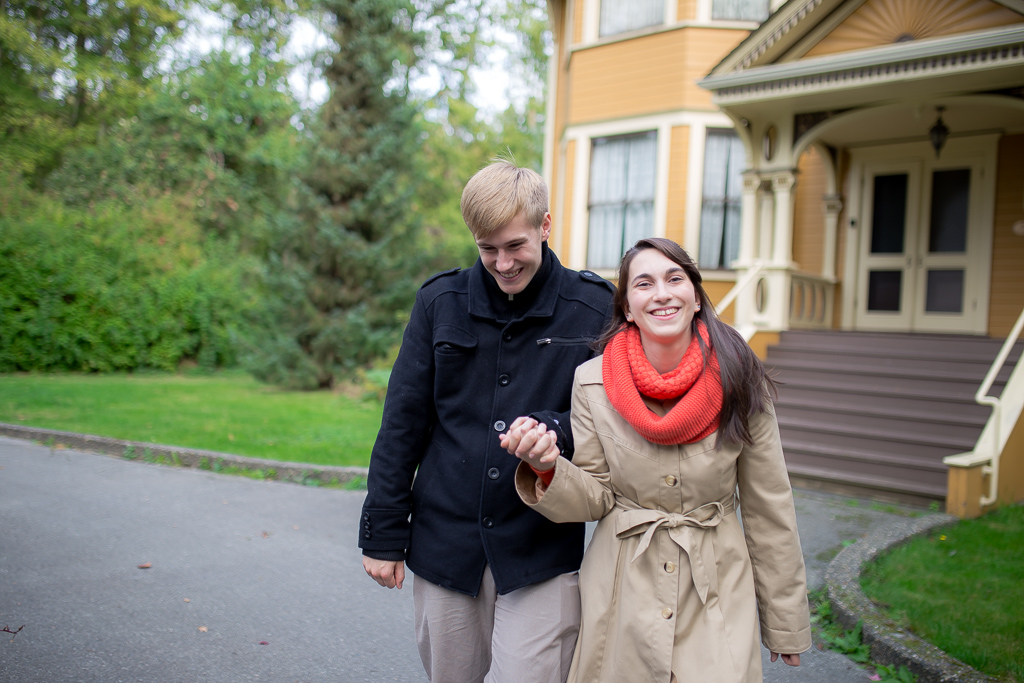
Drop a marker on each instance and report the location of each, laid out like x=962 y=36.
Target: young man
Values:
x=495 y=589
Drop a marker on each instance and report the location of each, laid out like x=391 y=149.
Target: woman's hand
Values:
x=530 y=441
x=792 y=660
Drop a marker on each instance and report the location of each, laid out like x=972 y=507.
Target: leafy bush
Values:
x=109 y=287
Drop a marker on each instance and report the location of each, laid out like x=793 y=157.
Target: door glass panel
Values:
x=884 y=289
x=945 y=291
x=948 y=230
x=888 y=216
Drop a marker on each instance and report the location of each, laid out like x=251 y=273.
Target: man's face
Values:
x=512 y=254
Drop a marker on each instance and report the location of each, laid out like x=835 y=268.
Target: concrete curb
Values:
x=889 y=643
x=276 y=470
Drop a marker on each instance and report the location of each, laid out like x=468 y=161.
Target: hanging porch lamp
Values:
x=939 y=132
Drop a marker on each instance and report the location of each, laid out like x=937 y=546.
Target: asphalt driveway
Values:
x=246 y=580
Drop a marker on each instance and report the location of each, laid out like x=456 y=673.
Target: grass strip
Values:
x=960 y=589
x=228 y=412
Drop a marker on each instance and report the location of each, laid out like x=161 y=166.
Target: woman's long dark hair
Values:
x=746 y=386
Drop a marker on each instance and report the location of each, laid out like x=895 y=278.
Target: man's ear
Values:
x=545 y=227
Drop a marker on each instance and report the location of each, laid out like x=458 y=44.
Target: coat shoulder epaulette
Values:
x=594 y=278
x=435 y=276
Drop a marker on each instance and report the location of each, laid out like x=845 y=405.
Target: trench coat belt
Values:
x=687 y=529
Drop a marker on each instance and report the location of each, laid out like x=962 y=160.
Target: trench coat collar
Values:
x=482 y=296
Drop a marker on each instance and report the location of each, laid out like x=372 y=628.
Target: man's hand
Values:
x=530 y=440
x=792 y=660
x=386 y=573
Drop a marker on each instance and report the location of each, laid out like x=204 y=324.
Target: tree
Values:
x=347 y=275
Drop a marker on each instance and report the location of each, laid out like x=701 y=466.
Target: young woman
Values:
x=674 y=430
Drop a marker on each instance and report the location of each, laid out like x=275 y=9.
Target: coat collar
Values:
x=483 y=294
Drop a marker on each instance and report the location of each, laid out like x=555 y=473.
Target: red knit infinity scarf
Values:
x=627 y=373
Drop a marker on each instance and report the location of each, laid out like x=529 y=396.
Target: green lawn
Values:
x=228 y=412
x=962 y=589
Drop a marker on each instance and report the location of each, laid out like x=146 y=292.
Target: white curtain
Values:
x=622 y=186
x=722 y=198
x=619 y=16
x=747 y=10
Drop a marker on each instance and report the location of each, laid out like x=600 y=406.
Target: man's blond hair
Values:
x=498 y=193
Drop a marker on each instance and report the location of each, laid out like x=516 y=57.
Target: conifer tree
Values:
x=347 y=276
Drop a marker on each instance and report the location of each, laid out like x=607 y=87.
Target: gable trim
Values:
x=998 y=48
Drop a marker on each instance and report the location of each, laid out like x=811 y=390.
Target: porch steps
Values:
x=875 y=413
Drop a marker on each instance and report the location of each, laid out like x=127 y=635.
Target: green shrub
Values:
x=108 y=287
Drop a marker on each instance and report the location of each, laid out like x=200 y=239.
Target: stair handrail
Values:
x=742 y=282
x=981 y=397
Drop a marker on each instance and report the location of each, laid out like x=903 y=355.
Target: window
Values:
x=724 y=160
x=619 y=16
x=622 y=182
x=740 y=10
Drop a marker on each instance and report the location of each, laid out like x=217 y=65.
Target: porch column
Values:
x=782 y=245
x=748 y=218
x=833 y=207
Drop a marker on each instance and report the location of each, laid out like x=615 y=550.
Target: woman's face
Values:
x=660 y=298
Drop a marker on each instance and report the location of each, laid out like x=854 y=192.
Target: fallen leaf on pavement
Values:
x=145 y=565
x=203 y=629
x=187 y=600
x=263 y=642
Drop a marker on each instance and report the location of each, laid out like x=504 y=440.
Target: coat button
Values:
x=367 y=534
x=667 y=613
x=488 y=522
x=670 y=567
x=493 y=473
x=670 y=480
x=366 y=516
x=508 y=336
x=366 y=526
x=503 y=380
x=499 y=426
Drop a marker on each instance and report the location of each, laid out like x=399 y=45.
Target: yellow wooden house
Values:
x=849 y=174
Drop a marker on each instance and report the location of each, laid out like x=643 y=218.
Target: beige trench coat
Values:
x=672 y=583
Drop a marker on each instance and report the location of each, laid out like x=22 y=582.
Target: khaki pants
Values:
x=527 y=636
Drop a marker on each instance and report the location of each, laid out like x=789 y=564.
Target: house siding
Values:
x=809 y=213
x=1007 y=293
x=716 y=290
x=648 y=74
x=563 y=241
x=675 y=223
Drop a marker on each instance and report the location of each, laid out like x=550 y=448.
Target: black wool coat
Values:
x=441 y=491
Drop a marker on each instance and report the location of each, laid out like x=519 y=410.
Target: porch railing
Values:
x=810 y=301
x=744 y=281
x=1007 y=407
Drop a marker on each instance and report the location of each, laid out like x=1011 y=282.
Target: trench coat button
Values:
x=503 y=380
x=366 y=526
x=508 y=336
x=488 y=522
x=366 y=516
x=499 y=426
x=670 y=480
x=493 y=473
x=367 y=534
x=667 y=612
x=670 y=567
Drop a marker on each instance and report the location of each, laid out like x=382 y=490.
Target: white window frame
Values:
x=577 y=196
x=592 y=21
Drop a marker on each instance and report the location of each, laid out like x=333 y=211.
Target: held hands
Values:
x=792 y=660
x=387 y=574
x=530 y=441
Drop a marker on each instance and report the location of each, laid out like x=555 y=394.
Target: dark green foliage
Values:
x=110 y=288
x=68 y=68
x=346 y=275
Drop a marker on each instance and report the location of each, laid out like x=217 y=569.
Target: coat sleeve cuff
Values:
x=786 y=642
x=386 y=555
